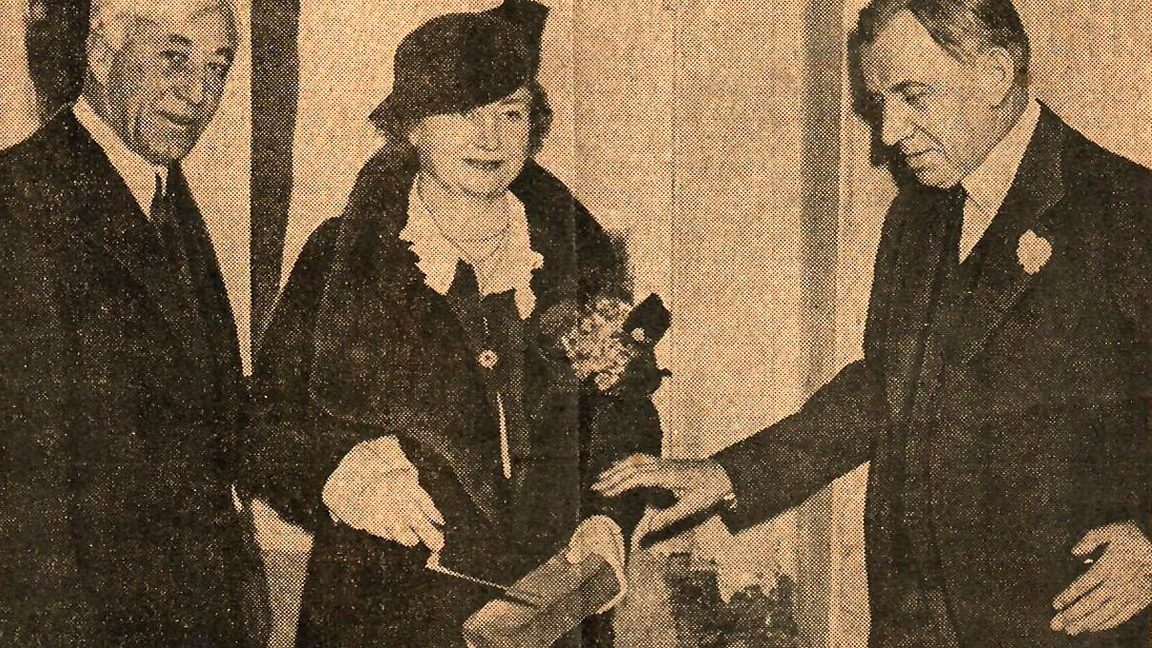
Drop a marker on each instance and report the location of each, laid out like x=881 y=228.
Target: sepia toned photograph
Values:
x=576 y=324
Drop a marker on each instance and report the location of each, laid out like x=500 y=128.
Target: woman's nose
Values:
x=487 y=133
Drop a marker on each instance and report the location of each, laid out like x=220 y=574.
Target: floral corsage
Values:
x=608 y=344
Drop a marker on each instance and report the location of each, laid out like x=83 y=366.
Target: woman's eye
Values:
x=514 y=115
x=174 y=58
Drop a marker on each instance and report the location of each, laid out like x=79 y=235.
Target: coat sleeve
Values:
x=294 y=447
x=41 y=584
x=834 y=431
x=1127 y=273
x=781 y=466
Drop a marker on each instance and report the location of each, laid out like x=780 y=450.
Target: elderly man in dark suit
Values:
x=1002 y=397
x=122 y=388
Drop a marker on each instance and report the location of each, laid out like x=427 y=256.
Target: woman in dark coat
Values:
x=419 y=335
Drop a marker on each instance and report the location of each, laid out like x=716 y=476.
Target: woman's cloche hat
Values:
x=460 y=61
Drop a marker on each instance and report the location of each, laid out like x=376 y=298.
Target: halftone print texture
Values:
x=717 y=140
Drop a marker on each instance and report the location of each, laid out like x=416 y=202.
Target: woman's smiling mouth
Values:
x=487 y=166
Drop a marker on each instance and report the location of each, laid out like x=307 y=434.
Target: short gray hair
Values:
x=962 y=28
x=110 y=19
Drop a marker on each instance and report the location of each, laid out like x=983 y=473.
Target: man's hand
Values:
x=376 y=489
x=697 y=485
x=1114 y=589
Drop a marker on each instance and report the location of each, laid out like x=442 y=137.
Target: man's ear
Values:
x=997 y=74
x=100 y=55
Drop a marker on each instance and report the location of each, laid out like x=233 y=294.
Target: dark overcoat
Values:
x=122 y=401
x=360 y=347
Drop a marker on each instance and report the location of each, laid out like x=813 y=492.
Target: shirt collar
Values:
x=139 y=174
x=988 y=184
x=438 y=257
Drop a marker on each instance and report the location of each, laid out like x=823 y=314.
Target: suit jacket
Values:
x=121 y=399
x=1003 y=419
x=360 y=347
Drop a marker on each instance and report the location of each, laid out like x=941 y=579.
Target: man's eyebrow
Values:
x=226 y=52
x=904 y=86
x=179 y=40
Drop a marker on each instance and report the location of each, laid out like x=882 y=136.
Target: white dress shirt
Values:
x=988 y=184
x=18 y=116
x=139 y=174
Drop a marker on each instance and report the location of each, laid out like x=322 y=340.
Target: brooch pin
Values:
x=488 y=358
x=1033 y=251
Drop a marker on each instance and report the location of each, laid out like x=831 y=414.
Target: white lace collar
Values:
x=510 y=268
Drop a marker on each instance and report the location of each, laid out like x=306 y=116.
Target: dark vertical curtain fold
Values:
x=275 y=90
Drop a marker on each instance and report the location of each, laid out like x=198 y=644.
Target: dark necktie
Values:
x=165 y=218
x=957 y=198
x=959 y=272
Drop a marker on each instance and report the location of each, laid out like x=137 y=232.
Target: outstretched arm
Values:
x=772 y=470
x=780 y=466
x=784 y=464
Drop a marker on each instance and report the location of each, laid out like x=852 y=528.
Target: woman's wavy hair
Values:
x=397 y=128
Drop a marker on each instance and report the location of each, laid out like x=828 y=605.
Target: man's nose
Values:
x=191 y=87
x=894 y=125
x=487 y=134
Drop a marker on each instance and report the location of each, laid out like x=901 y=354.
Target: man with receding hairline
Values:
x=121 y=394
x=1003 y=395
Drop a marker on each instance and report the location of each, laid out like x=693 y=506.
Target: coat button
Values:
x=488 y=358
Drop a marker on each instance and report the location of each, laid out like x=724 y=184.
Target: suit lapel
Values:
x=1001 y=281
x=214 y=309
x=113 y=223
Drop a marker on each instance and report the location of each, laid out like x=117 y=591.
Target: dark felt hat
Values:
x=457 y=62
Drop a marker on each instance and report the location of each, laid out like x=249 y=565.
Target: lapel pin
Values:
x=1033 y=251
x=488 y=358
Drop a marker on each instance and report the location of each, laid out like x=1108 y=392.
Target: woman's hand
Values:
x=600 y=536
x=376 y=489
